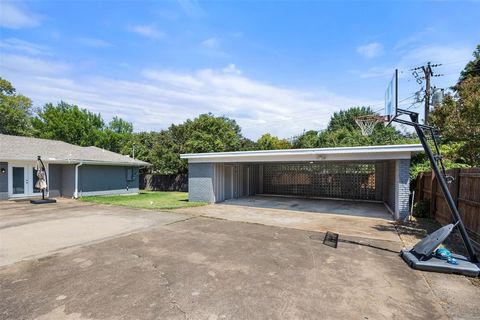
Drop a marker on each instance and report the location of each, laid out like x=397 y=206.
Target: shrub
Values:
x=421 y=209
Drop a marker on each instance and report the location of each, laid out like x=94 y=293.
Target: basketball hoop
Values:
x=368 y=123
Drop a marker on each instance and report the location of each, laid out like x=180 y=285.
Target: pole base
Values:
x=434 y=264
x=43 y=201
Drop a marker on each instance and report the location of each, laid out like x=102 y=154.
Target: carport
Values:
x=369 y=173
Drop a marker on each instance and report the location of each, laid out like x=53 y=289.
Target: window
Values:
x=130 y=174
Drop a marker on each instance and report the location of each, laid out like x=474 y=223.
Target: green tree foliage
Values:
x=206 y=133
x=78 y=126
x=69 y=123
x=269 y=142
x=116 y=134
x=458 y=120
x=308 y=139
x=342 y=131
x=472 y=69
x=15 y=111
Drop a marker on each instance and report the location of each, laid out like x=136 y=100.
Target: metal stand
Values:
x=43 y=200
x=421 y=255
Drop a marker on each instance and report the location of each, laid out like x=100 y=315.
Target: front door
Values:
x=22 y=180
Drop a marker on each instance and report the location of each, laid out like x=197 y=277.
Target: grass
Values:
x=147 y=200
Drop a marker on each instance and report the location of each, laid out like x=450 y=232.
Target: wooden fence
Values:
x=164 y=182
x=465 y=190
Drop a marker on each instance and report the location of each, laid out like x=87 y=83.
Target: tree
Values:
x=458 y=120
x=269 y=142
x=15 y=111
x=308 y=139
x=116 y=134
x=69 y=123
x=206 y=133
x=342 y=131
x=472 y=69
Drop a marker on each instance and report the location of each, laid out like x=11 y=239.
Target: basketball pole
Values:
x=440 y=177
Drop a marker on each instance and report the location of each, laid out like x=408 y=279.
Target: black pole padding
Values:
x=446 y=192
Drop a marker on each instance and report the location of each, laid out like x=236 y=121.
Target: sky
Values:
x=274 y=66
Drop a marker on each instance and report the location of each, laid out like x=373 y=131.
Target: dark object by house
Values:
x=42 y=183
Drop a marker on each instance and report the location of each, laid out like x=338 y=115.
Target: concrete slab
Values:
x=215 y=269
x=358 y=219
x=28 y=230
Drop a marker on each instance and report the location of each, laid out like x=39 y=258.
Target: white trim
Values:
x=315 y=154
x=75 y=192
x=109 y=192
x=28 y=176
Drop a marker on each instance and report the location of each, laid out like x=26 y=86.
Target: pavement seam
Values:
x=153 y=267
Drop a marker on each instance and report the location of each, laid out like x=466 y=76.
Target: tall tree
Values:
x=342 y=131
x=458 y=120
x=15 y=111
x=69 y=123
x=308 y=139
x=269 y=142
x=117 y=133
x=206 y=133
x=472 y=69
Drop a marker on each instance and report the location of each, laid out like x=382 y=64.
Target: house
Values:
x=72 y=171
x=367 y=173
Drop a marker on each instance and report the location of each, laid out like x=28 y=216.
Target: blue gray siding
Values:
x=200 y=182
x=4 y=181
x=55 y=180
x=94 y=178
x=68 y=180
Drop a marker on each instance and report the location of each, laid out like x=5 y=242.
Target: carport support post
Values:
x=443 y=185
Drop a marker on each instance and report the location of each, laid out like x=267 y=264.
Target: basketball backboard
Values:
x=391 y=99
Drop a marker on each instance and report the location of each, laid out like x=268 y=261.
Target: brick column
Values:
x=402 y=188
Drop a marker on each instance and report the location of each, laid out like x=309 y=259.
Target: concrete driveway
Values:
x=350 y=218
x=29 y=231
x=182 y=266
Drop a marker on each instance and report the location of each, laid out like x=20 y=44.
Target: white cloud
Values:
x=231 y=68
x=161 y=97
x=13 y=17
x=192 y=8
x=211 y=43
x=453 y=56
x=93 y=42
x=413 y=39
x=18 y=45
x=148 y=31
x=370 y=50
x=212 y=47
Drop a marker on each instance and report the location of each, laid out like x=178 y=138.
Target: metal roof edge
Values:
x=333 y=150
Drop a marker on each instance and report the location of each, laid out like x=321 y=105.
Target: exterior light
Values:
x=2 y=170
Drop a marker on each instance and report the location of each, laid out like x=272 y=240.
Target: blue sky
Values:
x=278 y=67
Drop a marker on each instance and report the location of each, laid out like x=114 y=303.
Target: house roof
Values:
x=386 y=152
x=16 y=148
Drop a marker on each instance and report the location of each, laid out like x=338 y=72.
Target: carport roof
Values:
x=386 y=152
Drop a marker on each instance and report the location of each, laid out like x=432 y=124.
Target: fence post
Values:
x=433 y=195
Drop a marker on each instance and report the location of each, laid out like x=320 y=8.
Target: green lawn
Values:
x=147 y=200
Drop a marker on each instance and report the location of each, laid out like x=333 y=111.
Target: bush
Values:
x=421 y=209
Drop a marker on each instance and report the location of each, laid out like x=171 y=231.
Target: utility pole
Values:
x=427 y=71
x=427 y=75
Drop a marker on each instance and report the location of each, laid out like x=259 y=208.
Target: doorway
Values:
x=22 y=178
